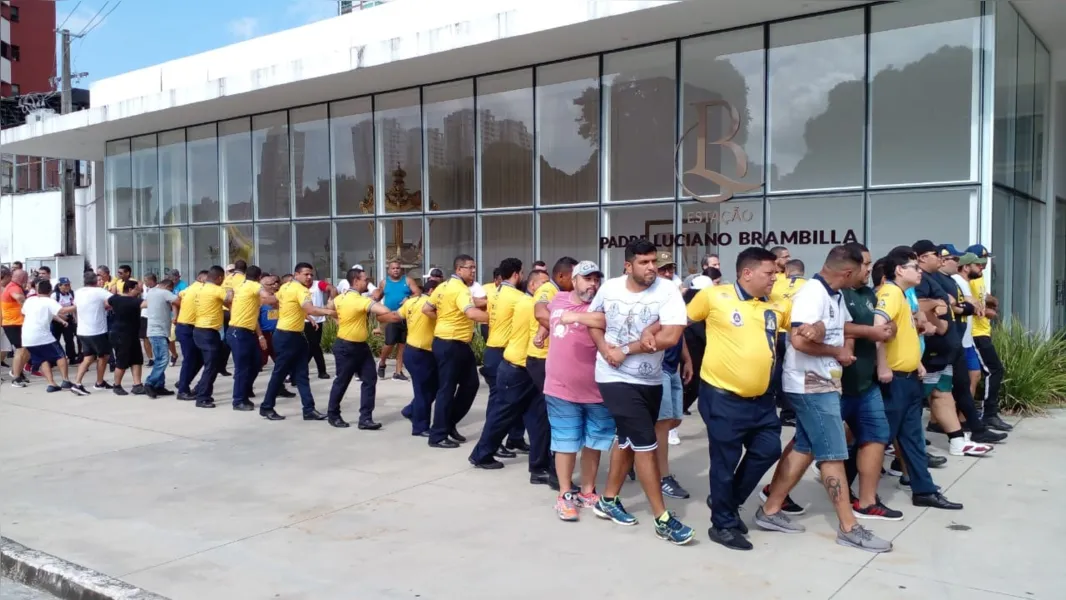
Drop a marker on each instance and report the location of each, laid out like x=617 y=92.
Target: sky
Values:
x=142 y=33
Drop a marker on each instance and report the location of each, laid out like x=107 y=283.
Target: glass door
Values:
x=1058 y=309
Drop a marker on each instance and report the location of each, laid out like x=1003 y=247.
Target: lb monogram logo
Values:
x=728 y=187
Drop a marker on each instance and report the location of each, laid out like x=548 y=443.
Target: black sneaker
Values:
x=20 y=382
x=150 y=391
x=381 y=371
x=151 y=363
x=324 y=376
x=672 y=488
x=730 y=538
x=102 y=385
x=895 y=469
x=51 y=389
x=934 y=428
x=118 y=390
x=994 y=422
x=79 y=390
x=400 y=377
x=138 y=390
x=876 y=511
x=987 y=437
x=66 y=385
x=286 y=393
x=788 y=506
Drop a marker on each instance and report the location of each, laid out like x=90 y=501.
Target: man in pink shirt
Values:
x=575 y=409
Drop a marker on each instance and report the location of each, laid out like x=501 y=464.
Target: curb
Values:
x=65 y=580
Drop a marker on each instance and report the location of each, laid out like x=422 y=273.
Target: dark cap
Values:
x=980 y=251
x=64 y=280
x=924 y=246
x=948 y=250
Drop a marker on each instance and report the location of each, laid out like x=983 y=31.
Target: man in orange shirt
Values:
x=11 y=299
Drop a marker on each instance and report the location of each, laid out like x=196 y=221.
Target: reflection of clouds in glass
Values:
x=562 y=146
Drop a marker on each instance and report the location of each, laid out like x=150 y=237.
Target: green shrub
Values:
x=377 y=341
x=329 y=335
x=1034 y=366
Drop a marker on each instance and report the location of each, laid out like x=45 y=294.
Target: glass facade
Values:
x=865 y=124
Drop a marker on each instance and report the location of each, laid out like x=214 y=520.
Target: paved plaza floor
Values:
x=206 y=504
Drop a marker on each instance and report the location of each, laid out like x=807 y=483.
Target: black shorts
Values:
x=95 y=345
x=47 y=353
x=635 y=408
x=395 y=333
x=143 y=333
x=127 y=351
x=14 y=335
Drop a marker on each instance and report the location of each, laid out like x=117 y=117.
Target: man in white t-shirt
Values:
x=811 y=380
x=629 y=375
x=90 y=301
x=343 y=285
x=39 y=311
x=973 y=360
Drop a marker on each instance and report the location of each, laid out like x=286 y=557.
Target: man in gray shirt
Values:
x=159 y=303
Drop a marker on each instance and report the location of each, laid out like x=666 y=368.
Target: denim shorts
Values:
x=579 y=424
x=973 y=361
x=819 y=428
x=673 y=396
x=865 y=415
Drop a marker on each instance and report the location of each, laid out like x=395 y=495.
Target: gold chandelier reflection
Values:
x=398 y=199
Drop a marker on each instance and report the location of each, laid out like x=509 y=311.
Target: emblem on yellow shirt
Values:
x=737 y=320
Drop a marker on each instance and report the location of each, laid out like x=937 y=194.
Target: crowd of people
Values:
x=584 y=364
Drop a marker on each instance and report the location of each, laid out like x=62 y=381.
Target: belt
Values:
x=905 y=373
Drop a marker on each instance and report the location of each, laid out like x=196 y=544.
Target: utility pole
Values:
x=69 y=229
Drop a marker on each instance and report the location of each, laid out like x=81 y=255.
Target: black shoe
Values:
x=244 y=406
x=935 y=500
x=271 y=415
x=286 y=393
x=994 y=422
x=987 y=437
x=934 y=428
x=251 y=394
x=225 y=373
x=381 y=371
x=491 y=464
x=632 y=473
x=741 y=527
x=502 y=452
x=519 y=446
x=314 y=415
x=118 y=390
x=445 y=443
x=936 y=462
x=369 y=425
x=151 y=363
x=424 y=434
x=150 y=391
x=205 y=404
x=138 y=390
x=687 y=413
x=173 y=361
x=400 y=377
x=164 y=392
x=455 y=435
x=185 y=396
x=324 y=376
x=730 y=538
x=789 y=421
x=338 y=422
x=548 y=478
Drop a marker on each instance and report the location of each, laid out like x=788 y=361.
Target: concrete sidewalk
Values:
x=202 y=504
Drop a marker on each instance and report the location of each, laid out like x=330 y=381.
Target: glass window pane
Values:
x=352 y=138
x=314 y=244
x=145 y=174
x=1000 y=267
x=235 y=157
x=1023 y=132
x=357 y=245
x=172 y=192
x=1040 y=119
x=925 y=72
x=653 y=222
x=270 y=145
x=202 y=160
x=817 y=123
x=450 y=237
x=573 y=233
x=1006 y=93
x=176 y=252
x=206 y=249
x=1037 y=256
x=810 y=226
x=403 y=242
x=505 y=236
x=118 y=184
x=310 y=160
x=568 y=122
x=398 y=125
x=723 y=229
x=240 y=243
x=122 y=252
x=274 y=247
x=639 y=87
x=905 y=217
x=449 y=116
x=505 y=118
x=724 y=87
x=1020 y=257
x=146 y=250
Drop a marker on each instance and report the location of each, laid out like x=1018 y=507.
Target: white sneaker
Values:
x=817 y=472
x=964 y=447
x=674 y=439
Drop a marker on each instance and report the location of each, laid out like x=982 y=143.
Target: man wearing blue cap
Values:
x=987 y=306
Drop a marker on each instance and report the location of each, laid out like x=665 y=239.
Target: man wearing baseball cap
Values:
x=991 y=365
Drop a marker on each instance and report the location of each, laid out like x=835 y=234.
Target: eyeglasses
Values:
x=910 y=266
x=464 y=267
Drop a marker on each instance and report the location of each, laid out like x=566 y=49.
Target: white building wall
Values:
x=31 y=225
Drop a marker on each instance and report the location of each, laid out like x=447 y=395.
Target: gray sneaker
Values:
x=778 y=521
x=863 y=539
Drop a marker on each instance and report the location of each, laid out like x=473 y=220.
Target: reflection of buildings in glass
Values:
x=400 y=146
x=273 y=178
x=298 y=140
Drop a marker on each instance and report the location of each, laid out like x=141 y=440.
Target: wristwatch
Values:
x=625 y=349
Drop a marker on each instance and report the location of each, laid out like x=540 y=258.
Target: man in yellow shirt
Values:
x=982 y=339
x=191 y=359
x=210 y=301
x=290 y=345
x=236 y=274
x=352 y=352
x=787 y=282
x=244 y=336
x=453 y=308
x=735 y=398
x=491 y=289
x=501 y=312
x=418 y=356
x=518 y=396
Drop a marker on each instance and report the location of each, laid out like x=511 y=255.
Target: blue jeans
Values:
x=423 y=369
x=191 y=359
x=736 y=425
x=290 y=349
x=158 y=377
x=492 y=359
x=865 y=416
x=457 y=372
x=673 y=396
x=903 y=410
x=819 y=429
x=246 y=360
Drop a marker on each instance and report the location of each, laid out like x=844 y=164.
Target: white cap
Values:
x=358 y=267
x=700 y=281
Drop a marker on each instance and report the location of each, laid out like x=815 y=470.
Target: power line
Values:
x=104 y=18
x=69 y=14
x=82 y=32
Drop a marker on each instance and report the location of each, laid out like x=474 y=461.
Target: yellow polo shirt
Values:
x=904 y=351
x=982 y=326
x=209 y=304
x=744 y=333
x=517 y=348
x=232 y=282
x=187 y=312
x=784 y=288
x=419 y=325
x=544 y=295
x=291 y=299
x=452 y=299
x=501 y=311
x=244 y=312
x=353 y=316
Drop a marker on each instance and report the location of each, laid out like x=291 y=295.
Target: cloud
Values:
x=76 y=21
x=243 y=28
x=309 y=11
